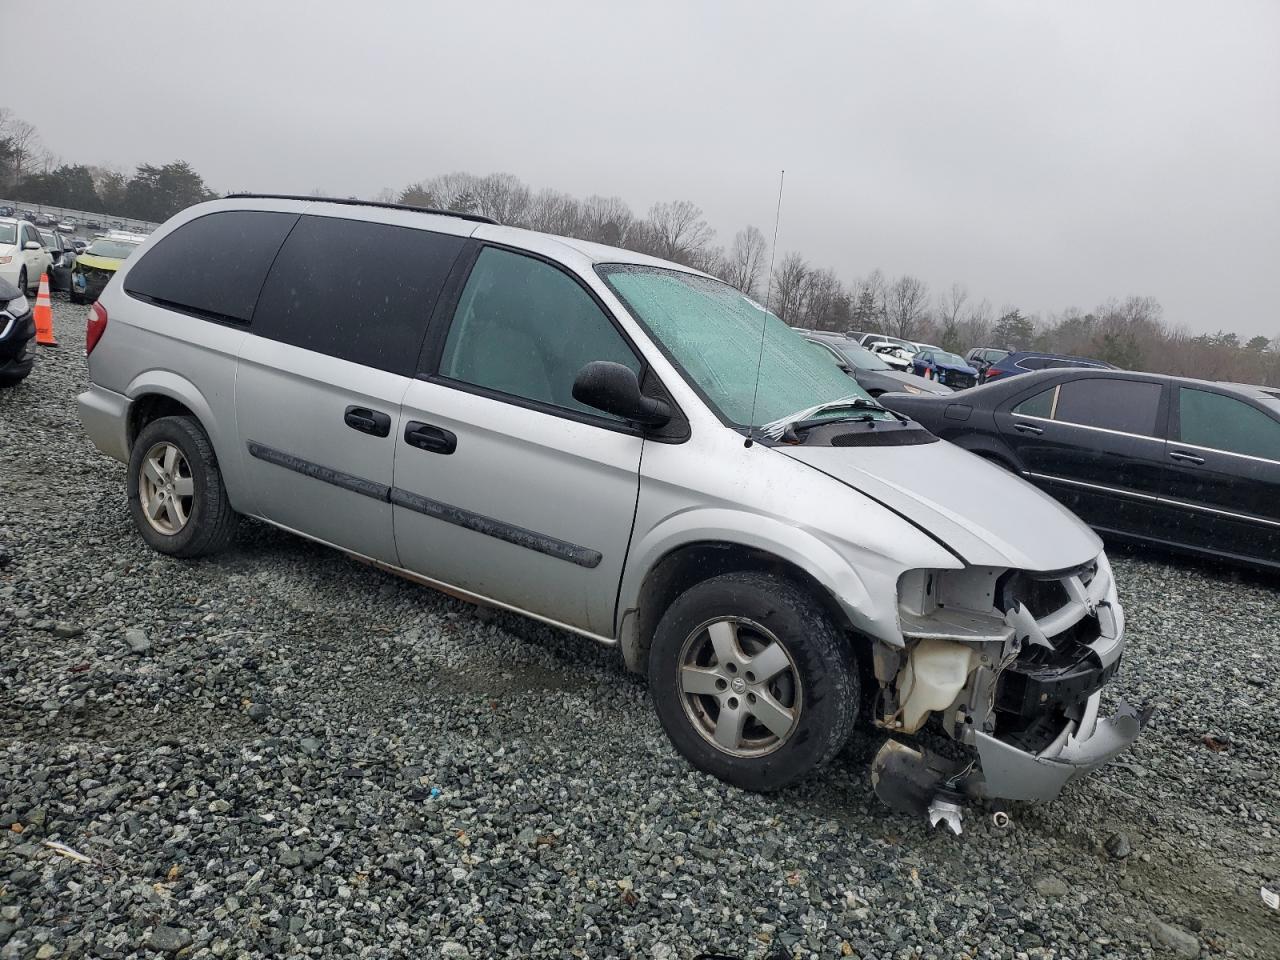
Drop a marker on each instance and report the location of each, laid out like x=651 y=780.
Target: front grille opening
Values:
x=1041 y=597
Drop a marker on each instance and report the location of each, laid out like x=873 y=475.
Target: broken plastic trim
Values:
x=1017 y=775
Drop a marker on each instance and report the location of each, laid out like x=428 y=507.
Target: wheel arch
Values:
x=676 y=567
x=989 y=448
x=161 y=393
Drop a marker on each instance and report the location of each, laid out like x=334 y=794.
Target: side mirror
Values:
x=31 y=245
x=614 y=388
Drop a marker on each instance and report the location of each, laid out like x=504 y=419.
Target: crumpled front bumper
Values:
x=1012 y=774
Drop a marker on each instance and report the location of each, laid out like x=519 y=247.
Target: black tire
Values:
x=819 y=657
x=73 y=296
x=23 y=288
x=210 y=521
x=12 y=379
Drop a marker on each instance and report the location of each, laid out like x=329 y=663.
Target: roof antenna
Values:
x=764 y=321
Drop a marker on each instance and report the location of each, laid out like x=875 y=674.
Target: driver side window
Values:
x=525 y=329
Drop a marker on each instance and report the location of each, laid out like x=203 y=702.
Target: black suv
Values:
x=17 y=330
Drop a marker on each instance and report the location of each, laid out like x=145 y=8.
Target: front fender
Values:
x=865 y=588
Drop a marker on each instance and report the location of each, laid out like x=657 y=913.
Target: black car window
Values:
x=1032 y=363
x=1041 y=405
x=1129 y=406
x=1224 y=423
x=211 y=266
x=526 y=328
x=356 y=290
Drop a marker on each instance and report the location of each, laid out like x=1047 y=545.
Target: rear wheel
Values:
x=752 y=680
x=176 y=494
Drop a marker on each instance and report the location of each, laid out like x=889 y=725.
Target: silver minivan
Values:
x=625 y=448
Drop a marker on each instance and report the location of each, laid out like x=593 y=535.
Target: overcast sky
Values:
x=1047 y=155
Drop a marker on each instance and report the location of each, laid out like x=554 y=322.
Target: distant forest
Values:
x=1128 y=332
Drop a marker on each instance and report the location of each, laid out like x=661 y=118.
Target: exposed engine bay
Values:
x=995 y=692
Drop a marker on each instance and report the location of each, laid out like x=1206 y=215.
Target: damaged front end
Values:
x=998 y=684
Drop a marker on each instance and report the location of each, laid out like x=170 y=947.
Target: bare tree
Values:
x=745 y=261
x=456 y=191
x=790 y=288
x=385 y=195
x=554 y=212
x=23 y=143
x=679 y=231
x=950 y=305
x=607 y=220
x=906 y=305
x=823 y=294
x=503 y=197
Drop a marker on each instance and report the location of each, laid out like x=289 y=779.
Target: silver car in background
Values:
x=625 y=448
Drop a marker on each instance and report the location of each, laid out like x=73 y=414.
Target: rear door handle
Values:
x=367 y=421
x=432 y=439
x=1028 y=428
x=1185 y=457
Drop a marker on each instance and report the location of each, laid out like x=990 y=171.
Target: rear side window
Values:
x=1041 y=405
x=1223 y=423
x=212 y=266
x=525 y=328
x=355 y=290
x=1032 y=363
x=1129 y=406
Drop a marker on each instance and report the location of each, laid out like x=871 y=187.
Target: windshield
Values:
x=950 y=359
x=47 y=240
x=8 y=233
x=713 y=332
x=118 y=249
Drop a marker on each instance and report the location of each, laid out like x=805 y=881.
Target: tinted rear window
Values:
x=214 y=265
x=1129 y=406
x=355 y=290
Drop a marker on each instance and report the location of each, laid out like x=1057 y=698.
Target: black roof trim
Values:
x=475 y=217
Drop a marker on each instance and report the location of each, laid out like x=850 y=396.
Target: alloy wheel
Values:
x=740 y=687
x=166 y=488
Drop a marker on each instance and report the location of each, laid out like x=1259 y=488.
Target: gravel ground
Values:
x=285 y=752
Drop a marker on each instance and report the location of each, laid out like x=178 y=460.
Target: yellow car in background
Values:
x=98 y=263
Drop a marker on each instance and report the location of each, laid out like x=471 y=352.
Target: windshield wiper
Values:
x=777 y=428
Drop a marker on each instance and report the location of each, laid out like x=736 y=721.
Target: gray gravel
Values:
x=285 y=752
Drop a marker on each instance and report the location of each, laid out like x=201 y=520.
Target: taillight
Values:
x=992 y=373
x=96 y=326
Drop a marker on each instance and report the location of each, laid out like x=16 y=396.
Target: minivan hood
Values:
x=987 y=515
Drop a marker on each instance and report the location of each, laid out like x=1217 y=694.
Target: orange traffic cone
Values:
x=44 y=315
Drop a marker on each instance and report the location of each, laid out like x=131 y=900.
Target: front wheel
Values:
x=176 y=494
x=752 y=680
x=23 y=287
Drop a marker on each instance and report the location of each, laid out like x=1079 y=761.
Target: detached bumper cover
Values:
x=1014 y=774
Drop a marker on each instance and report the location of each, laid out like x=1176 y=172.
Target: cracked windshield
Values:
x=743 y=482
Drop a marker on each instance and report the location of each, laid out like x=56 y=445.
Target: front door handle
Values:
x=432 y=439
x=1028 y=428
x=367 y=421
x=1185 y=457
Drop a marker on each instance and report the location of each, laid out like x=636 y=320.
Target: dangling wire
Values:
x=764 y=320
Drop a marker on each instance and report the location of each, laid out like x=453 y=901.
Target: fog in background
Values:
x=1045 y=155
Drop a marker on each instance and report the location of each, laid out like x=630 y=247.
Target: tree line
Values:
x=1129 y=332
x=31 y=174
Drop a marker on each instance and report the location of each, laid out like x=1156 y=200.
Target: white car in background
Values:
x=23 y=257
x=892 y=350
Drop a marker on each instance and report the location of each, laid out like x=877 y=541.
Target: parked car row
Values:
x=73 y=265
